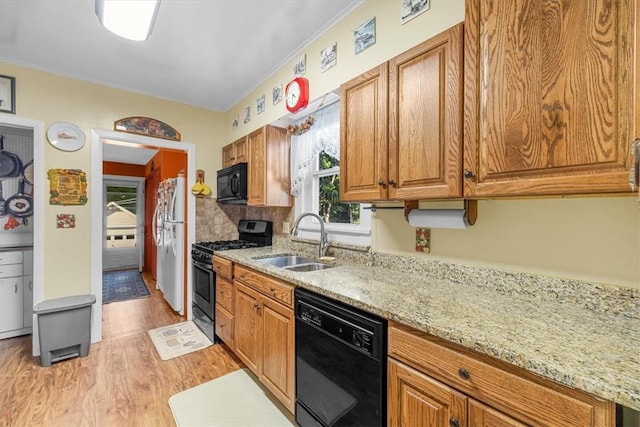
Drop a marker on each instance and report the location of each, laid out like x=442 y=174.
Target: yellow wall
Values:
x=51 y=98
x=594 y=239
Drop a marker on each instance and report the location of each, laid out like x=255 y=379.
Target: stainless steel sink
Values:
x=314 y=266
x=286 y=260
x=294 y=263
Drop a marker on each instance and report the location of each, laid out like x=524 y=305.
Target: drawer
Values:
x=224 y=325
x=223 y=267
x=224 y=293
x=11 y=270
x=508 y=388
x=11 y=257
x=270 y=286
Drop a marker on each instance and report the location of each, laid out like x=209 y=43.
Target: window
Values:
x=316 y=182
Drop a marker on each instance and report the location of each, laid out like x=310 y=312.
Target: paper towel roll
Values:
x=438 y=218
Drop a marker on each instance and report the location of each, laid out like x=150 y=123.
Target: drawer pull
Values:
x=453 y=422
x=273 y=290
x=464 y=374
x=243 y=276
x=256 y=306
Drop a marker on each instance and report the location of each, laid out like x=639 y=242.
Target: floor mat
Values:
x=122 y=285
x=178 y=339
x=232 y=400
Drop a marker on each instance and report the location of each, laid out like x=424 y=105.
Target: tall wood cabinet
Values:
x=549 y=96
x=268 y=159
x=437 y=384
x=264 y=331
x=401 y=125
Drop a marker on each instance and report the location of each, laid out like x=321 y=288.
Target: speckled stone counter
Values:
x=582 y=335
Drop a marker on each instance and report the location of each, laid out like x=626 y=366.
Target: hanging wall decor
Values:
x=7 y=94
x=276 y=94
x=328 y=57
x=260 y=104
x=147 y=126
x=67 y=187
x=365 y=35
x=65 y=221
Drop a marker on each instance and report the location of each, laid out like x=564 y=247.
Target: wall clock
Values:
x=297 y=94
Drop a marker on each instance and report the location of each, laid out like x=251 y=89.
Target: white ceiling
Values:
x=205 y=53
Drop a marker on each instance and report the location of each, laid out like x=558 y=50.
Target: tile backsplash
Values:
x=215 y=221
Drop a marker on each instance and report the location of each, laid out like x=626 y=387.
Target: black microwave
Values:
x=232 y=184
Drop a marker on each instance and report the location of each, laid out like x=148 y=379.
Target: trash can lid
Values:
x=64 y=303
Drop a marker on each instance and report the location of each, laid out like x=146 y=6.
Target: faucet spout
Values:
x=324 y=242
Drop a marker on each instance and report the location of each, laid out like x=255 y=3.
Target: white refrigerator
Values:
x=168 y=226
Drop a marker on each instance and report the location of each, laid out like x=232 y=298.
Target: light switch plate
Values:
x=423 y=239
x=285 y=227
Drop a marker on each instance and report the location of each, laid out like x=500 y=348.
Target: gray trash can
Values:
x=64 y=327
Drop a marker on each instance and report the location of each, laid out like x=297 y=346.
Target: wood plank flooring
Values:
x=123 y=381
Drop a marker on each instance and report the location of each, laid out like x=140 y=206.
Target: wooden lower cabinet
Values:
x=414 y=399
x=436 y=383
x=264 y=339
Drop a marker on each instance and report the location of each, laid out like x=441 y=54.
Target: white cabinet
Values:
x=16 y=293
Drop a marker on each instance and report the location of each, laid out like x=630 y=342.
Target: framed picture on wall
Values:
x=409 y=9
x=328 y=57
x=260 y=105
x=8 y=94
x=276 y=93
x=365 y=35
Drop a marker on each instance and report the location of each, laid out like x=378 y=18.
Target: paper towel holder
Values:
x=470 y=209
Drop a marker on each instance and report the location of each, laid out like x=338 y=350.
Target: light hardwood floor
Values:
x=123 y=381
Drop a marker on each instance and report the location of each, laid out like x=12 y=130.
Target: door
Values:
x=123 y=223
x=418 y=400
x=549 y=96
x=150 y=250
x=247 y=319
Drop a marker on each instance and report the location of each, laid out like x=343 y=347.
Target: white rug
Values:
x=178 y=339
x=233 y=400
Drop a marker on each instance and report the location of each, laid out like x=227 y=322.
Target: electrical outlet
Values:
x=423 y=240
x=285 y=227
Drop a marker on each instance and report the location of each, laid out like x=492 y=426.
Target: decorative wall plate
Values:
x=65 y=136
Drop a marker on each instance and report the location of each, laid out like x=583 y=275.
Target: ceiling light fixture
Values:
x=131 y=19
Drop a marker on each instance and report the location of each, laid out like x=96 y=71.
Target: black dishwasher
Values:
x=341 y=366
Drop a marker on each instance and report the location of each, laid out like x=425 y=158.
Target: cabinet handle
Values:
x=30 y=285
x=468 y=174
x=243 y=275
x=15 y=290
x=381 y=182
x=453 y=422
x=464 y=374
x=392 y=182
x=256 y=306
x=273 y=290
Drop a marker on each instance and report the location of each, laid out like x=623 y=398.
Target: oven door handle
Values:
x=203 y=266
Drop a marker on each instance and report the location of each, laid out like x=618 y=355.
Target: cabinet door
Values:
x=11 y=304
x=278 y=366
x=481 y=415
x=257 y=167
x=417 y=400
x=240 y=147
x=228 y=155
x=549 y=96
x=425 y=119
x=247 y=327
x=27 y=299
x=363 y=137
x=277 y=179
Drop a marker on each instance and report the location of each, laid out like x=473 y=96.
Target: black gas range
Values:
x=251 y=234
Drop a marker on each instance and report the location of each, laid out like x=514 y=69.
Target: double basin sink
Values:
x=294 y=263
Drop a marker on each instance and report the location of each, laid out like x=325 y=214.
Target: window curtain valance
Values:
x=323 y=135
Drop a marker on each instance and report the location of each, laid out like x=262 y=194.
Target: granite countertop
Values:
x=589 y=348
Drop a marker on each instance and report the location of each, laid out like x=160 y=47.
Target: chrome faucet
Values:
x=324 y=242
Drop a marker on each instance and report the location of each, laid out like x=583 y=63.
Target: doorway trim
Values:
x=97 y=136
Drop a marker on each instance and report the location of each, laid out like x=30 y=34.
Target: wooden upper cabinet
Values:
x=233 y=153
x=269 y=175
x=363 y=136
x=401 y=125
x=425 y=119
x=549 y=96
